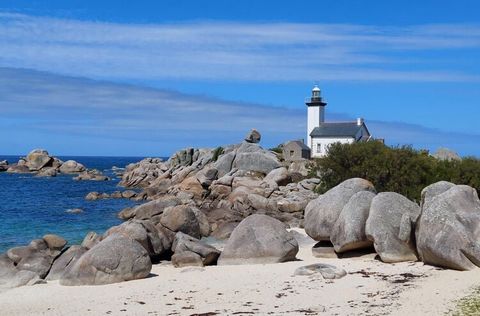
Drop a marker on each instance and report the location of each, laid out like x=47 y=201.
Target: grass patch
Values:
x=469 y=305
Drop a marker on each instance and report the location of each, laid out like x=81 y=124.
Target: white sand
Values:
x=370 y=288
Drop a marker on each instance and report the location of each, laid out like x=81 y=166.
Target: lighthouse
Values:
x=315 y=112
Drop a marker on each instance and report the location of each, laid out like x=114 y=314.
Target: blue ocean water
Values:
x=31 y=207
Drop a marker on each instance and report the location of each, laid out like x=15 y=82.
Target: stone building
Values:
x=295 y=150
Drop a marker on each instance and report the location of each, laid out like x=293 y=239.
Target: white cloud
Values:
x=81 y=116
x=232 y=51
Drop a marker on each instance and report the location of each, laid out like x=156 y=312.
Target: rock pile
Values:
x=443 y=231
x=39 y=162
x=227 y=184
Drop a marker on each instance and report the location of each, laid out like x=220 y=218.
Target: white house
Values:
x=321 y=134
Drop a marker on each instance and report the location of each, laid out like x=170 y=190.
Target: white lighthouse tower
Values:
x=316 y=112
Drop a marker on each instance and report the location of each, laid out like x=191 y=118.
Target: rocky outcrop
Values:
x=322 y=213
x=446 y=154
x=142 y=173
x=241 y=180
x=115 y=259
x=91 y=175
x=40 y=162
x=93 y=196
x=348 y=232
x=448 y=230
x=38 y=159
x=259 y=239
x=391 y=227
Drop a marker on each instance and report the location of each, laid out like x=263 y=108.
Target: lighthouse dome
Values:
x=316 y=89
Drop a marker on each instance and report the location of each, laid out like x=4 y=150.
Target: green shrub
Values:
x=277 y=150
x=216 y=153
x=399 y=169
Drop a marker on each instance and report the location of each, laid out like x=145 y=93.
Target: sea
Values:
x=31 y=207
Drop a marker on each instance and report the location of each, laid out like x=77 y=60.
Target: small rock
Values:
x=253 y=136
x=74 y=211
x=327 y=271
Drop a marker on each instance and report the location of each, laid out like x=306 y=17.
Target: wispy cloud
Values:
x=71 y=115
x=234 y=51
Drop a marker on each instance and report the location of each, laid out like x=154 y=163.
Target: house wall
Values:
x=320 y=145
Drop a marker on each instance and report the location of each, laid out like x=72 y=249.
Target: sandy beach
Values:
x=370 y=288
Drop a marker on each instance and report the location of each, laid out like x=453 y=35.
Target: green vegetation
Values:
x=216 y=153
x=277 y=149
x=399 y=169
x=468 y=306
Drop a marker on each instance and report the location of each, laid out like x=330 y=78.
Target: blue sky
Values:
x=150 y=77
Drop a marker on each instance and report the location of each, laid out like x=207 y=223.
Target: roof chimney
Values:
x=359 y=121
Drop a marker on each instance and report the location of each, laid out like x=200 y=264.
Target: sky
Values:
x=147 y=78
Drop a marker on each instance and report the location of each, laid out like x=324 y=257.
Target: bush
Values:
x=399 y=169
x=217 y=152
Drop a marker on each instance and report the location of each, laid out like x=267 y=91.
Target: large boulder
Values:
x=224 y=163
x=322 y=213
x=259 y=239
x=54 y=242
x=18 y=169
x=391 y=227
x=259 y=161
x=65 y=260
x=150 y=209
x=448 y=230
x=193 y=186
x=71 y=166
x=182 y=218
x=348 y=233
x=253 y=136
x=38 y=159
x=433 y=190
x=190 y=251
x=115 y=259
x=38 y=256
x=207 y=176
x=280 y=176
x=142 y=231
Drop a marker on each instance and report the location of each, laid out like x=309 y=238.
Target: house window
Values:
x=292 y=153
x=319 y=148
